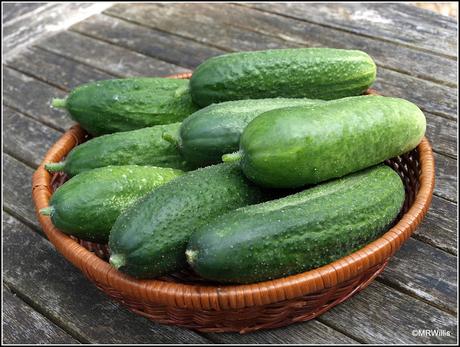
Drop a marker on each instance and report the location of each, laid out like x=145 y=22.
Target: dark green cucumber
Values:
x=293 y=147
x=216 y=129
x=88 y=204
x=299 y=232
x=110 y=106
x=136 y=147
x=316 y=73
x=149 y=239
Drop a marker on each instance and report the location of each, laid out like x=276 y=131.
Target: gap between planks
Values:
x=24 y=298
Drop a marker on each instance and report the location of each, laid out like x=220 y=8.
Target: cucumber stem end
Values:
x=59 y=103
x=117 y=260
x=46 y=211
x=55 y=167
x=232 y=157
x=191 y=256
x=171 y=139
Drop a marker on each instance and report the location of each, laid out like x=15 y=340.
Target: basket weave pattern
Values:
x=186 y=300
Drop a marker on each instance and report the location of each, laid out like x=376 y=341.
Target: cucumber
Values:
x=293 y=147
x=136 y=147
x=88 y=204
x=316 y=73
x=299 y=232
x=215 y=130
x=149 y=239
x=109 y=106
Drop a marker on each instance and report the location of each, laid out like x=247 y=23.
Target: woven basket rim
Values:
x=206 y=297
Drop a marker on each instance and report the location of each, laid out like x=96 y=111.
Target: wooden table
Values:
x=46 y=300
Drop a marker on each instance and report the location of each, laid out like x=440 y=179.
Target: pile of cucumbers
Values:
x=262 y=165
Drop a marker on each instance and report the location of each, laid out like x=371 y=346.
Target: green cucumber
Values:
x=293 y=147
x=87 y=205
x=215 y=130
x=109 y=106
x=298 y=232
x=149 y=239
x=136 y=147
x=316 y=73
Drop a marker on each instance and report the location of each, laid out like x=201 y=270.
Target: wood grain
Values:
x=23 y=325
x=311 y=332
x=430 y=97
x=55 y=69
x=442 y=133
x=439 y=228
x=43 y=22
x=113 y=59
x=33 y=98
x=236 y=19
x=426 y=272
x=446 y=177
x=15 y=11
x=26 y=138
x=393 y=22
x=17 y=191
x=154 y=43
x=381 y=315
x=62 y=293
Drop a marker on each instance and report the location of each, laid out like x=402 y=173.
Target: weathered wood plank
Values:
x=439 y=228
x=17 y=191
x=15 y=11
x=243 y=20
x=25 y=138
x=426 y=272
x=154 y=43
x=55 y=69
x=211 y=26
x=33 y=97
x=311 y=332
x=428 y=96
x=62 y=293
x=446 y=177
x=23 y=325
x=382 y=315
x=44 y=22
x=394 y=22
x=442 y=134
x=113 y=59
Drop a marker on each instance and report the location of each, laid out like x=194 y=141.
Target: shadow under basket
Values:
x=185 y=300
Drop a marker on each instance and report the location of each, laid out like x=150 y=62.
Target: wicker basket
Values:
x=186 y=300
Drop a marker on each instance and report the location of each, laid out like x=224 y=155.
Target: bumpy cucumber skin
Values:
x=109 y=106
x=299 y=232
x=317 y=73
x=88 y=204
x=136 y=147
x=151 y=236
x=293 y=147
x=216 y=129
